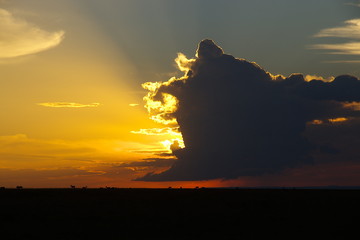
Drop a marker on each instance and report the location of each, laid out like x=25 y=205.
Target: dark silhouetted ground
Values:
x=177 y=213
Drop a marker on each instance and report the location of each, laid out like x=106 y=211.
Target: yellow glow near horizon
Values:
x=70 y=111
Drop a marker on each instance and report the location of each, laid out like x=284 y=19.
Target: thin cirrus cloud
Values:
x=349 y=30
x=68 y=105
x=357 y=4
x=20 y=38
x=344 y=61
x=352 y=48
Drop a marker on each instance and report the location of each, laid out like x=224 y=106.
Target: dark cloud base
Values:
x=239 y=120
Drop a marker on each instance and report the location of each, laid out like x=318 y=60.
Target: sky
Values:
x=74 y=76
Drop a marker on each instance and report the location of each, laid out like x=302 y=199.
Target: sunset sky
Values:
x=72 y=108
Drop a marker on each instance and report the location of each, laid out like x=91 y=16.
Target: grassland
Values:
x=177 y=213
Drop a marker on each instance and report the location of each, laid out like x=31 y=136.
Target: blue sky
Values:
x=276 y=34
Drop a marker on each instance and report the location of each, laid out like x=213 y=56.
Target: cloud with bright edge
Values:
x=19 y=37
x=237 y=119
x=349 y=30
x=308 y=78
x=173 y=133
x=68 y=105
x=158 y=131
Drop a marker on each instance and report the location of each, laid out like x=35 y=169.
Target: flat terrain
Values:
x=177 y=213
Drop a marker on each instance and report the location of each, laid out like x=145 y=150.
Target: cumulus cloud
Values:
x=349 y=30
x=238 y=120
x=19 y=37
x=68 y=105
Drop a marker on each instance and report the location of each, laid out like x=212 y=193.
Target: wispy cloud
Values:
x=351 y=48
x=343 y=61
x=19 y=37
x=357 y=4
x=68 y=105
x=349 y=30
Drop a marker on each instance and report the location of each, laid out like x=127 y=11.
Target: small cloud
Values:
x=68 y=105
x=336 y=120
x=330 y=120
x=19 y=37
x=316 y=122
x=133 y=104
x=351 y=48
x=159 y=131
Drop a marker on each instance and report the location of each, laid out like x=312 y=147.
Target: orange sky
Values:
x=70 y=105
x=72 y=102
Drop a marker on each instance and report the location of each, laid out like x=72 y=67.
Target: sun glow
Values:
x=162 y=106
x=168 y=143
x=160 y=110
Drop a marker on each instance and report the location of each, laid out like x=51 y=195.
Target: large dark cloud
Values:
x=239 y=120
